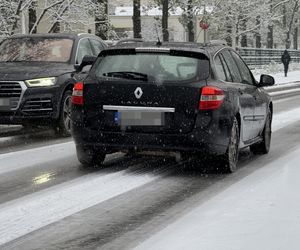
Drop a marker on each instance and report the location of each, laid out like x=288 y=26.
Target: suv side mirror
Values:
x=87 y=60
x=266 y=80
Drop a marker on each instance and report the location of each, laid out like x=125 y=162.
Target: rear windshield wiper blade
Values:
x=128 y=75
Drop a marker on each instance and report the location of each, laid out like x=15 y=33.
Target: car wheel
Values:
x=230 y=159
x=264 y=146
x=90 y=157
x=63 y=126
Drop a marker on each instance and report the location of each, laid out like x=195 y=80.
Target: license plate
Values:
x=139 y=118
x=4 y=102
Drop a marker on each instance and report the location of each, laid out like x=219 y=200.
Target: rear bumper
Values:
x=198 y=140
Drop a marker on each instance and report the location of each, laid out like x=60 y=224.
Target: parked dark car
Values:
x=183 y=97
x=36 y=77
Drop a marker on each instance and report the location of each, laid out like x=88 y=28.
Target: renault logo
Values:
x=138 y=93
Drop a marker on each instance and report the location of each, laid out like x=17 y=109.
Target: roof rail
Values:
x=130 y=40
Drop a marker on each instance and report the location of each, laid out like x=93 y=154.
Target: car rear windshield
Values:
x=36 y=49
x=153 y=67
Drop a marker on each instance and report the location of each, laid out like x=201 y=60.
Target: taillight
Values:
x=77 y=96
x=211 y=98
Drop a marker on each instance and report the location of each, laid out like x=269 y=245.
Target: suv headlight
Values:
x=42 y=82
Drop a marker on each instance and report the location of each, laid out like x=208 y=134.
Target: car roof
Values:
x=184 y=46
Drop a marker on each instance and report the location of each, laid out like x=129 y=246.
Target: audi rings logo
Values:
x=138 y=93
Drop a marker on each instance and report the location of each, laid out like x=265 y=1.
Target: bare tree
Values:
x=295 y=8
x=164 y=20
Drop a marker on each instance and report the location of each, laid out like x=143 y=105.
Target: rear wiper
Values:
x=128 y=75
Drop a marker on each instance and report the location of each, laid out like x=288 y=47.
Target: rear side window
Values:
x=234 y=71
x=157 y=67
x=219 y=68
x=245 y=72
x=226 y=69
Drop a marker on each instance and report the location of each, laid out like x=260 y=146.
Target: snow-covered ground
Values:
x=276 y=70
x=293 y=76
x=251 y=214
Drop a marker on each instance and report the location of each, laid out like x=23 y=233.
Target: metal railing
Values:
x=254 y=56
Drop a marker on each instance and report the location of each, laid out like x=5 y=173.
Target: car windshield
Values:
x=36 y=49
x=153 y=67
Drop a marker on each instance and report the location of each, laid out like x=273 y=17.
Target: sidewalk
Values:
x=293 y=76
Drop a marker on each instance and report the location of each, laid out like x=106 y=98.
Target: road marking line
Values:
x=25 y=158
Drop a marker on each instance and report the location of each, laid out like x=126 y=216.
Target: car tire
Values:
x=263 y=147
x=230 y=159
x=90 y=157
x=63 y=125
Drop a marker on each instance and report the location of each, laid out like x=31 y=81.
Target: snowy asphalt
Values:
x=48 y=201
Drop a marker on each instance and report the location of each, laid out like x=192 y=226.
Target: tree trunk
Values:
x=23 y=22
x=190 y=25
x=165 y=17
x=288 y=33
x=270 y=38
x=270 y=35
x=244 y=42
x=258 y=35
x=296 y=31
x=101 y=28
x=32 y=18
x=17 y=14
x=284 y=22
x=136 y=18
x=235 y=38
x=228 y=37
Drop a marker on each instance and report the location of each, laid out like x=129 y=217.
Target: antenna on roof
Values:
x=158 y=40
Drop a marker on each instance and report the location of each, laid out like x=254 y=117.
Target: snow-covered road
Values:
x=47 y=201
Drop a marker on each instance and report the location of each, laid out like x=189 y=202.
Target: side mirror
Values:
x=266 y=80
x=87 y=60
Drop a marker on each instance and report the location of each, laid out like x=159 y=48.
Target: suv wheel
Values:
x=63 y=126
x=89 y=156
x=264 y=146
x=230 y=159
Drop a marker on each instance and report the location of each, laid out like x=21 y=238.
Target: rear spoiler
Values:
x=171 y=51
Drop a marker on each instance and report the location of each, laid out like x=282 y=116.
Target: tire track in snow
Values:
x=27 y=214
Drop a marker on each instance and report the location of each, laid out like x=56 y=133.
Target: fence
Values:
x=255 y=57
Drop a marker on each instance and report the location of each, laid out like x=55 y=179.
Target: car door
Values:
x=260 y=110
x=245 y=94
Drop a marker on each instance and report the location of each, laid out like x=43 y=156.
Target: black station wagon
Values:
x=182 y=97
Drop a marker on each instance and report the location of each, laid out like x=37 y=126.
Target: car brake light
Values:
x=211 y=98
x=77 y=96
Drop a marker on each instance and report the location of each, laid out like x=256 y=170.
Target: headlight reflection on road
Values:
x=43 y=178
